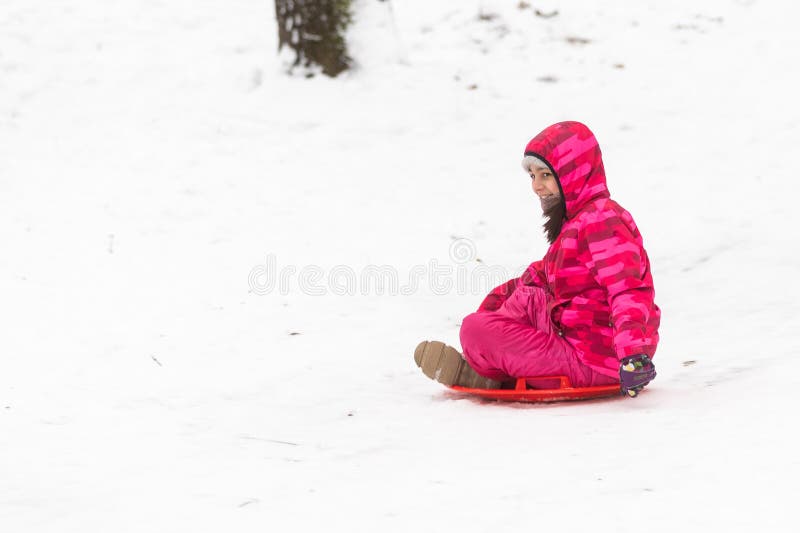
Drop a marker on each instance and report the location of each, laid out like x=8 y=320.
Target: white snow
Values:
x=154 y=158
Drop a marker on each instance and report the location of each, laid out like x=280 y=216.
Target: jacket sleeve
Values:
x=499 y=294
x=533 y=275
x=619 y=264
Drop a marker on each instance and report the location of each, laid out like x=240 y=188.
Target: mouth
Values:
x=548 y=201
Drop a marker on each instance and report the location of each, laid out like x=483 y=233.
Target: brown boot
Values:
x=445 y=364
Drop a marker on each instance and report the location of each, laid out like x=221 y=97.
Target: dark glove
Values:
x=635 y=372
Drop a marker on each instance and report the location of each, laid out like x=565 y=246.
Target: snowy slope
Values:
x=154 y=158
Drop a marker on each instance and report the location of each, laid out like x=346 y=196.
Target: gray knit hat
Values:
x=531 y=161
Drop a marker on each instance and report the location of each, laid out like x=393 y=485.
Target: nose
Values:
x=537 y=185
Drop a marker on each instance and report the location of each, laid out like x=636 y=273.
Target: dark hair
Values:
x=553 y=220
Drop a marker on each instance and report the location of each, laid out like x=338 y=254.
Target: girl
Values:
x=586 y=310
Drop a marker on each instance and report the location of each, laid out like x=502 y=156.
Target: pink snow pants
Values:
x=518 y=340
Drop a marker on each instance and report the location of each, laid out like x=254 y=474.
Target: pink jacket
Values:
x=596 y=273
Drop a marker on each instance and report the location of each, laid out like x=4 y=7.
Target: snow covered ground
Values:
x=158 y=169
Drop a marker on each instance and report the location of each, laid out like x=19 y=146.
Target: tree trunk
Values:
x=314 y=30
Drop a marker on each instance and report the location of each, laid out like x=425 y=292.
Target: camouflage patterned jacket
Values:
x=596 y=272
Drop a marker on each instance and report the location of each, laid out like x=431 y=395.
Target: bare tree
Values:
x=314 y=30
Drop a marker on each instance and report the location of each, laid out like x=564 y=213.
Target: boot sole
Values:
x=445 y=364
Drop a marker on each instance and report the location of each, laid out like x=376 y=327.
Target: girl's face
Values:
x=543 y=182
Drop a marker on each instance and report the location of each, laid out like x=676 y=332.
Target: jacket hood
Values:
x=572 y=153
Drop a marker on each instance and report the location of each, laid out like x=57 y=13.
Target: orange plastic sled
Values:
x=521 y=392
